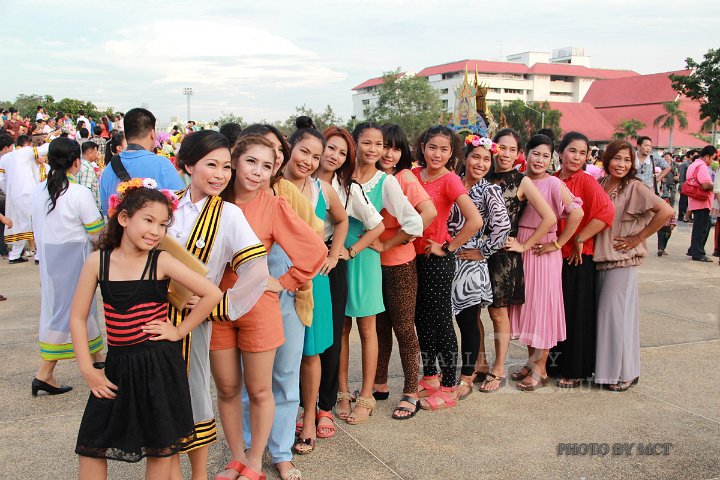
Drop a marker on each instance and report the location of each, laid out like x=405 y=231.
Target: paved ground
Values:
x=509 y=434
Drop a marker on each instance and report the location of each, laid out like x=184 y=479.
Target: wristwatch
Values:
x=446 y=248
x=352 y=253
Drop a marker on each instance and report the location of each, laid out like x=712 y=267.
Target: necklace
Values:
x=304 y=185
x=426 y=179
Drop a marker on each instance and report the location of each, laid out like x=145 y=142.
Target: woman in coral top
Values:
x=436 y=151
x=399 y=275
x=256 y=335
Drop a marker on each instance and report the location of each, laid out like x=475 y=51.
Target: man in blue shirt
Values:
x=139 y=159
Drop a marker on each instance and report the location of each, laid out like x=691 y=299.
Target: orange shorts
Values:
x=259 y=330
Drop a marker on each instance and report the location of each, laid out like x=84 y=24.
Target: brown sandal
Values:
x=491 y=378
x=526 y=387
x=468 y=385
x=521 y=374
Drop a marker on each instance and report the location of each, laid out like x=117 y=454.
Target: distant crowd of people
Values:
x=242 y=255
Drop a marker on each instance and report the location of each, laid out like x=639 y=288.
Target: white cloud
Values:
x=217 y=53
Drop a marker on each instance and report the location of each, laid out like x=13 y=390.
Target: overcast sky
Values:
x=260 y=59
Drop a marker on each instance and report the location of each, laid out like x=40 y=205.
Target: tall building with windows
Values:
x=561 y=76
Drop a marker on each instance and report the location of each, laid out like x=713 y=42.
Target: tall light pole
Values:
x=542 y=114
x=188 y=92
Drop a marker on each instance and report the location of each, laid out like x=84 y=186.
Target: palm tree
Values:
x=628 y=129
x=667 y=120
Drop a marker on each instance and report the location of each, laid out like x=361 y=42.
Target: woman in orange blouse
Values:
x=256 y=335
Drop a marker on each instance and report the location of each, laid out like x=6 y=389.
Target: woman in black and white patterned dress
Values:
x=471 y=288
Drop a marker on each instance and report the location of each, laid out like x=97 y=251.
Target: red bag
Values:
x=692 y=189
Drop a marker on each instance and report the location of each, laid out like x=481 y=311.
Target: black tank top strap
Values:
x=159 y=285
x=104 y=264
x=152 y=259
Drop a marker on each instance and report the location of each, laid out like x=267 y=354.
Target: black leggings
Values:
x=433 y=317
x=467 y=320
x=330 y=358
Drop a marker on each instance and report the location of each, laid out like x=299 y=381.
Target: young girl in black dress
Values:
x=140 y=404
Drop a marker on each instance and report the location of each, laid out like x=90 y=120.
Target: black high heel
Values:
x=39 y=385
x=380 y=395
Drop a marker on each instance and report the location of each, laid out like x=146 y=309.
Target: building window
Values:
x=562 y=94
x=443 y=91
x=366 y=102
x=446 y=76
x=494 y=90
x=445 y=104
x=560 y=78
x=513 y=90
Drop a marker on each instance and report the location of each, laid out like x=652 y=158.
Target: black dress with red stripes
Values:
x=151 y=416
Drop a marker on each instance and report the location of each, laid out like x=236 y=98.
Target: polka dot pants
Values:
x=433 y=317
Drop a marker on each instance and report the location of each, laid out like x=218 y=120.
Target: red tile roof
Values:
x=608 y=73
x=369 y=83
x=483 y=66
x=637 y=90
x=569 y=70
x=583 y=117
x=599 y=124
x=648 y=113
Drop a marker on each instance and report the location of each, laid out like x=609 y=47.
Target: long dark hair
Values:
x=346 y=170
x=194 y=147
x=62 y=154
x=111 y=149
x=243 y=145
x=394 y=137
x=131 y=201
x=613 y=149
x=262 y=130
x=456 y=144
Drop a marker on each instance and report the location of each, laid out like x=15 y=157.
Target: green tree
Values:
x=702 y=85
x=628 y=129
x=230 y=117
x=672 y=116
x=527 y=119
x=408 y=101
x=322 y=120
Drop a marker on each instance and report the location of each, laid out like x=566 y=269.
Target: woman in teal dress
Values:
x=307 y=146
x=364 y=274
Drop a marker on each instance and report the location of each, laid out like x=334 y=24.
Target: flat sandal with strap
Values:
x=469 y=385
x=542 y=382
x=411 y=411
x=232 y=465
x=325 y=431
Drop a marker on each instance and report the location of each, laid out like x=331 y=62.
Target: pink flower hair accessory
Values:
x=172 y=198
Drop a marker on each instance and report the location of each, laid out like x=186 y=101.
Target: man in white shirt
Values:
x=81 y=118
x=40 y=115
x=646 y=163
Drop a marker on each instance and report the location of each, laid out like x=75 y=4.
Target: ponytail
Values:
x=62 y=154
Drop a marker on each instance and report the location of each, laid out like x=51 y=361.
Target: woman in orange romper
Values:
x=256 y=335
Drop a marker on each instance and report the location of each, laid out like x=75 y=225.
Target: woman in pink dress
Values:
x=540 y=321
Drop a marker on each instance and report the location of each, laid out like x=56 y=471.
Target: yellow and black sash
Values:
x=43 y=172
x=200 y=244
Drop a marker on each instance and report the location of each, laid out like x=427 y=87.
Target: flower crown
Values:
x=132 y=184
x=477 y=141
